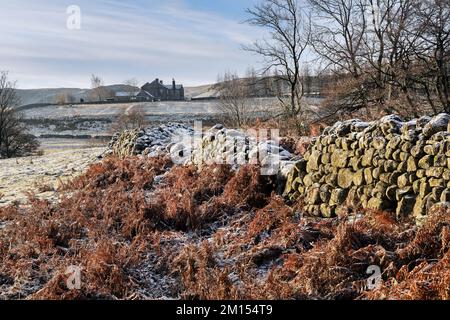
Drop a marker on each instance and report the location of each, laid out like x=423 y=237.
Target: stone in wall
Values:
x=388 y=164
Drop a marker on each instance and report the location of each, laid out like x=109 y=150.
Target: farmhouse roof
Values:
x=147 y=93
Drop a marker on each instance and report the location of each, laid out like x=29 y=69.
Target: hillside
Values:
x=51 y=95
x=205 y=91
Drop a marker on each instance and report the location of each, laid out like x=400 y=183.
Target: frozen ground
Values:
x=56 y=144
x=42 y=175
x=63 y=158
x=157 y=110
x=112 y=110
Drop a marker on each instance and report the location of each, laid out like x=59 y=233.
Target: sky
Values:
x=190 y=40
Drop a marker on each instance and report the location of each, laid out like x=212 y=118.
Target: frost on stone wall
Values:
x=384 y=165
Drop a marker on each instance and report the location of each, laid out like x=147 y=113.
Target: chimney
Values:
x=161 y=82
x=157 y=80
x=174 y=85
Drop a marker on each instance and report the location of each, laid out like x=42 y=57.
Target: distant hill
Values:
x=52 y=95
x=201 y=92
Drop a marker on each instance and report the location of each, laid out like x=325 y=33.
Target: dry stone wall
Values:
x=217 y=145
x=384 y=165
x=151 y=141
x=234 y=147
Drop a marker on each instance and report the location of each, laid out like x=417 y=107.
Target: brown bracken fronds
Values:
x=143 y=228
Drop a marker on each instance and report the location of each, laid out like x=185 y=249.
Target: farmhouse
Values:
x=157 y=90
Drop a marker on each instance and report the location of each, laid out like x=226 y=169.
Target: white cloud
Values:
x=118 y=40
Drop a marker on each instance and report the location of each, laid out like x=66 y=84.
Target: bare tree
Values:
x=236 y=98
x=396 y=51
x=134 y=119
x=434 y=26
x=307 y=79
x=133 y=82
x=14 y=141
x=339 y=32
x=99 y=91
x=290 y=34
x=131 y=86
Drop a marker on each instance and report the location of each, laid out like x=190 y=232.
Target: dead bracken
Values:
x=142 y=228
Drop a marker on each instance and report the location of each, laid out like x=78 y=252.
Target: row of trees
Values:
x=391 y=54
x=382 y=55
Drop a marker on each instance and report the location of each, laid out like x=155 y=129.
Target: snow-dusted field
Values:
x=59 y=144
x=42 y=175
x=159 y=110
x=111 y=110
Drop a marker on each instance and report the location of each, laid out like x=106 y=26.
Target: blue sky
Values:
x=191 y=40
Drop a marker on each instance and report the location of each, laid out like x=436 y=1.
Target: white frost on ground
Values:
x=43 y=174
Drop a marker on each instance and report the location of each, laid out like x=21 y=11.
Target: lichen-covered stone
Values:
x=403 y=180
x=366 y=160
x=435 y=172
x=325 y=193
x=437 y=192
x=421 y=173
x=426 y=162
x=417 y=151
x=313 y=197
x=436 y=124
x=424 y=188
x=376 y=173
x=378 y=204
x=390 y=165
x=419 y=207
x=313 y=161
x=402 y=167
x=339 y=159
x=327 y=211
x=326 y=158
x=352 y=196
x=338 y=197
x=385 y=177
x=359 y=178
x=435 y=182
x=368 y=177
x=345 y=178
x=380 y=190
x=406 y=147
x=402 y=156
x=446 y=174
x=384 y=165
